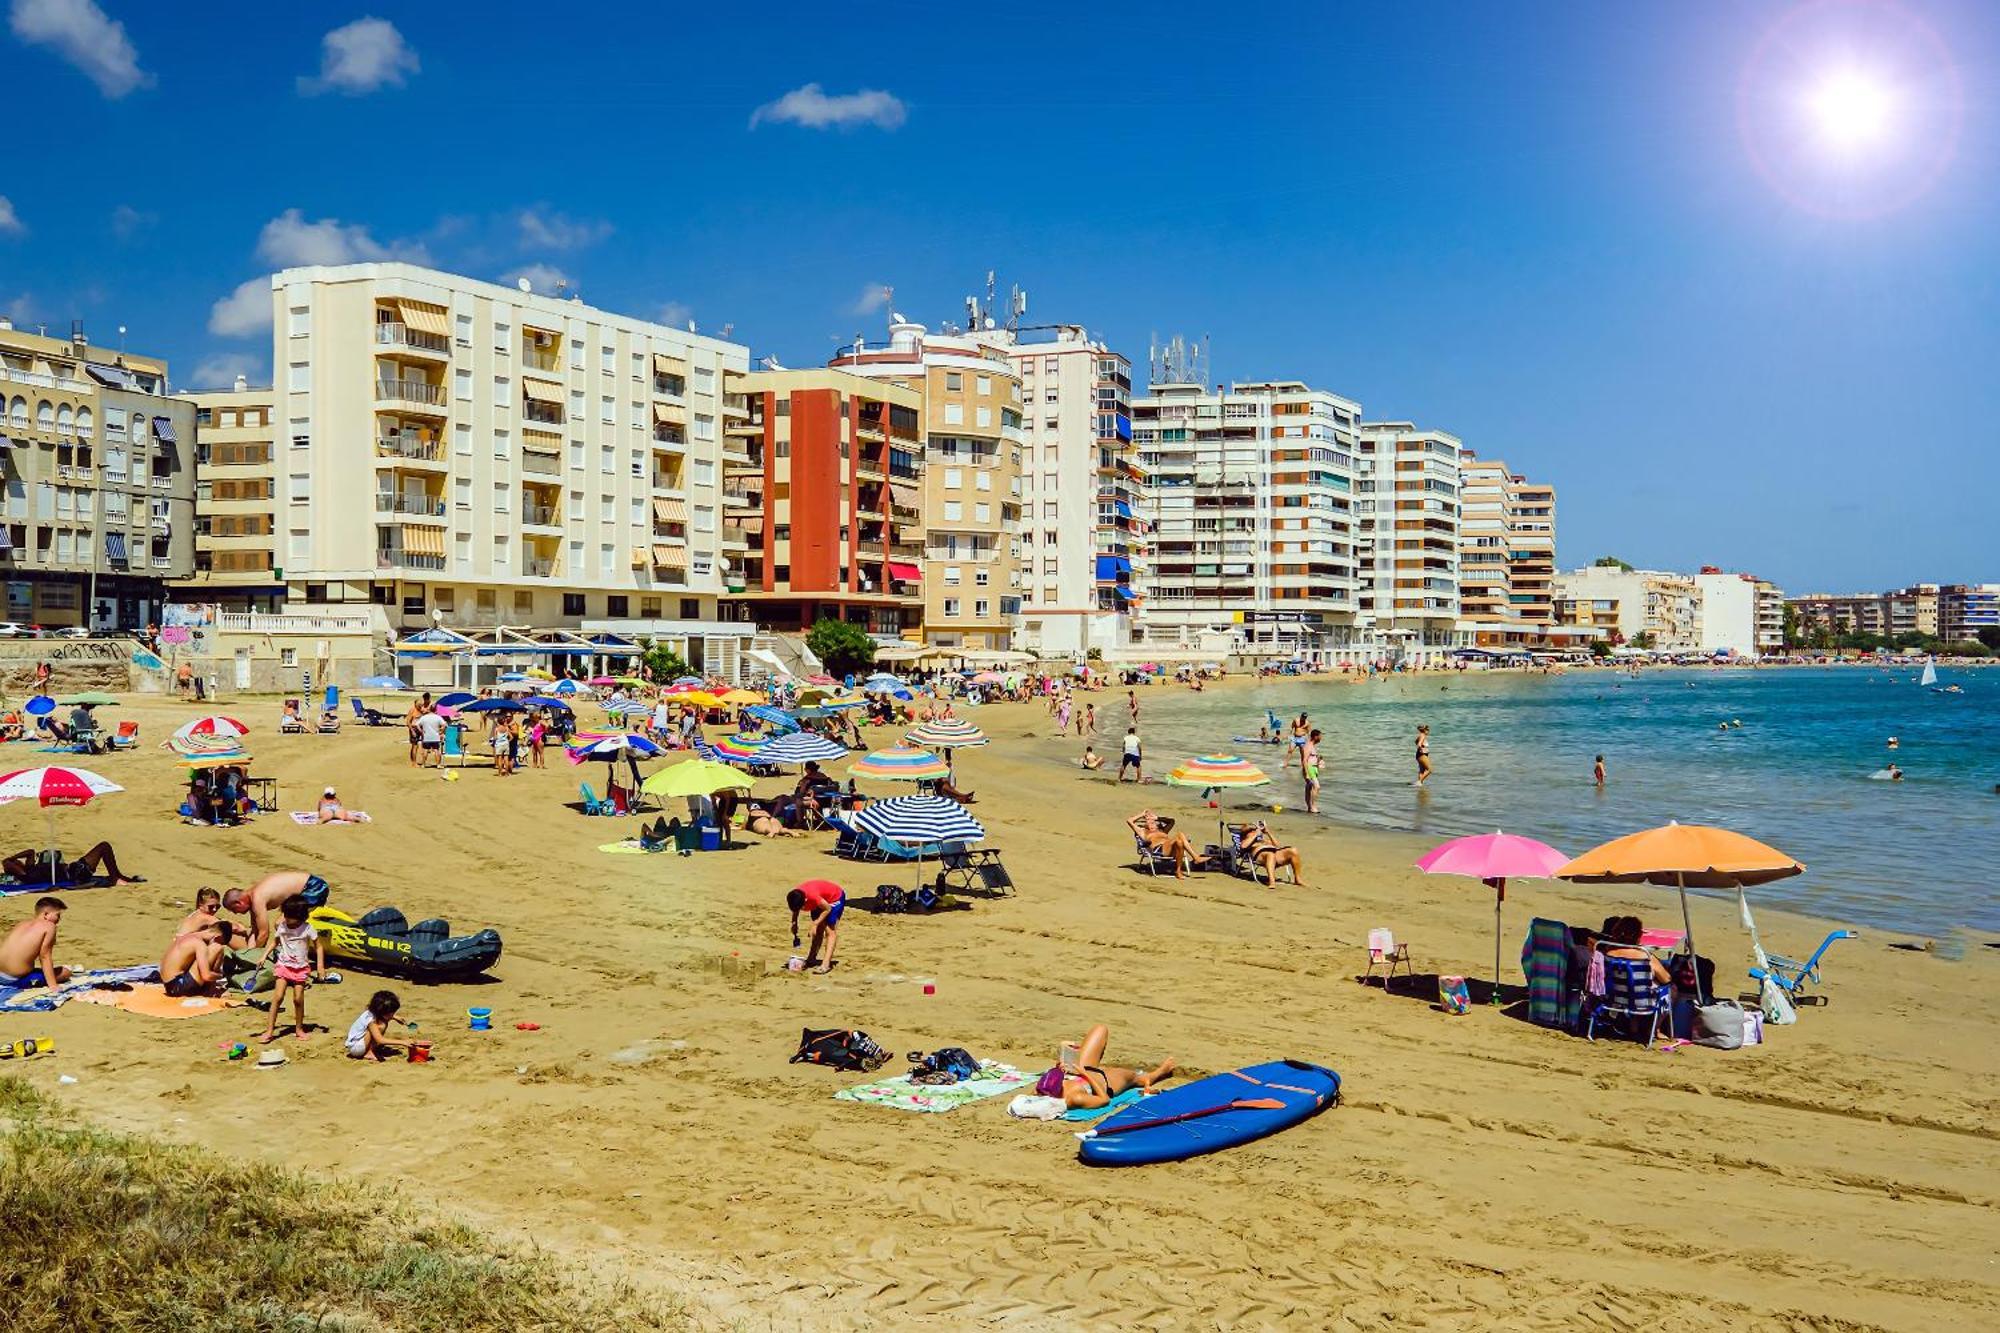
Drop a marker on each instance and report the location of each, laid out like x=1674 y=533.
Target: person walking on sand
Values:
x=1423 y=754
x=27 y=954
x=1309 y=763
x=293 y=944
x=1133 y=758
x=1132 y=702
x=1089 y=719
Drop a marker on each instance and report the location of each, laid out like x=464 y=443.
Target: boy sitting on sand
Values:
x=27 y=955
x=192 y=964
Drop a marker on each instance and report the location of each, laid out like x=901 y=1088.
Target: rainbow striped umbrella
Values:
x=737 y=749
x=900 y=763
x=1211 y=771
x=945 y=733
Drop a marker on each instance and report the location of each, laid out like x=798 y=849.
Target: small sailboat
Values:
x=1929 y=679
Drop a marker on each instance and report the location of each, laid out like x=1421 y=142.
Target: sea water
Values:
x=1802 y=773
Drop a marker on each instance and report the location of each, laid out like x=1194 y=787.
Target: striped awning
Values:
x=542 y=392
x=905 y=497
x=669 y=557
x=750 y=523
x=670 y=414
x=535 y=442
x=424 y=318
x=163 y=431
x=670 y=509
x=664 y=364
x=641 y=557
x=423 y=541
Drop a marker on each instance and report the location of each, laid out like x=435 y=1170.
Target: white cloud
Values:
x=361 y=57
x=20 y=308
x=542 y=230
x=245 y=311
x=82 y=35
x=674 y=314
x=543 y=278
x=289 y=240
x=10 y=221
x=127 y=221
x=873 y=297
x=811 y=108
x=220 y=370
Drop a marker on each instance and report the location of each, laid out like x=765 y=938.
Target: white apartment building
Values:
x=1726 y=613
x=1659 y=607
x=1255 y=543
x=1409 y=520
x=459 y=451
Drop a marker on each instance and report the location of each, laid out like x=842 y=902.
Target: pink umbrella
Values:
x=51 y=787
x=1495 y=858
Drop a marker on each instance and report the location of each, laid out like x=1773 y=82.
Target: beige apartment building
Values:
x=971 y=476
x=98 y=466
x=1408 y=551
x=1507 y=553
x=460 y=452
x=235 y=554
x=1658 y=607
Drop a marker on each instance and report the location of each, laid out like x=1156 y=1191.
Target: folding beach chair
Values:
x=369 y=717
x=291 y=723
x=968 y=869
x=851 y=844
x=1792 y=976
x=126 y=737
x=1382 y=948
x=1152 y=858
x=592 y=805
x=1631 y=993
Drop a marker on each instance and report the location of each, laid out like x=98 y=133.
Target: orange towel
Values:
x=149 y=998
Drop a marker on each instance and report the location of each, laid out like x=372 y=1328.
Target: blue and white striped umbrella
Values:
x=919 y=821
x=777 y=717
x=798 y=747
x=592 y=746
x=627 y=708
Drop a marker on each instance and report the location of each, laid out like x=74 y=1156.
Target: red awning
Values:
x=904 y=573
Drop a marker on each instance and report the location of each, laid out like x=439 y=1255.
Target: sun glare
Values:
x=1853 y=110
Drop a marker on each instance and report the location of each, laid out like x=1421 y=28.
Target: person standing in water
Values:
x=1299 y=730
x=1597 y=771
x=1309 y=762
x=1423 y=754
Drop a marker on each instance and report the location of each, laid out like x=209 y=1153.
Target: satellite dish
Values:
x=524 y=284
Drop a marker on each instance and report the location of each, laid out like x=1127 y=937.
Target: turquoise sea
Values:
x=1514 y=751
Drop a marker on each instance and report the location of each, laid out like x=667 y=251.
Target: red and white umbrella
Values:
x=212 y=726
x=51 y=787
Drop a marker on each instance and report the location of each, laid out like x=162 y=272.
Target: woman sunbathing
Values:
x=1255 y=841
x=1159 y=837
x=1092 y=1083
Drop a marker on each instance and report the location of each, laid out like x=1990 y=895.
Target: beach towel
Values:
x=1118 y=1103
x=631 y=847
x=312 y=817
x=40 y=1000
x=898 y=1092
x=10 y=888
x=1545 y=961
x=151 y=999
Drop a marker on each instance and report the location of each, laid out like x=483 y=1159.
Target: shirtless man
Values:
x=261 y=899
x=27 y=954
x=192 y=964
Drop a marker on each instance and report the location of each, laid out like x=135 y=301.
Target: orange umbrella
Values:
x=1680 y=855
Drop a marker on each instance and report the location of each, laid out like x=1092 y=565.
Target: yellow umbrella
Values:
x=539 y=673
x=699 y=698
x=695 y=777
x=740 y=697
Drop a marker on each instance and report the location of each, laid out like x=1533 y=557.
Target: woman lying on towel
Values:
x=1090 y=1083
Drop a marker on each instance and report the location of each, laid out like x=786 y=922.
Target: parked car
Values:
x=71 y=632
x=14 y=629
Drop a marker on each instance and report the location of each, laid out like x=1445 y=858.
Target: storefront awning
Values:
x=424 y=318
x=423 y=541
x=904 y=572
x=670 y=509
x=670 y=557
x=542 y=391
x=163 y=431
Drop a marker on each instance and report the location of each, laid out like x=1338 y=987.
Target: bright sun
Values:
x=1853 y=110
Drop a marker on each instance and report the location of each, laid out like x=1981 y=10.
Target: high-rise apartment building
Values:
x=483 y=454
x=1846 y=613
x=1770 y=618
x=1507 y=546
x=235 y=543
x=1254 y=547
x=972 y=461
x=1408 y=520
x=98 y=464
x=823 y=513
x=1965 y=609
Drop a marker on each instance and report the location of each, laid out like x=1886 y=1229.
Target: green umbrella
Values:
x=97 y=697
x=695 y=777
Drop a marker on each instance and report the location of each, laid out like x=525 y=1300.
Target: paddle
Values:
x=1244 y=1104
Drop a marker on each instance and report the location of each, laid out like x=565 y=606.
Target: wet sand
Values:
x=1482 y=1172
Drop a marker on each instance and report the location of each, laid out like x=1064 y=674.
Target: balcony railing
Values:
x=543 y=465
x=402 y=335
x=410 y=391
x=535 y=358
x=538 y=569
x=409 y=504
x=543 y=516
x=404 y=446
x=547 y=413
x=395 y=557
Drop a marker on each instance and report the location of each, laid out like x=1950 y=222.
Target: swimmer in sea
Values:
x=1894 y=743
x=1895 y=774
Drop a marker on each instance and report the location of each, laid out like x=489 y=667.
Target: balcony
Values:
x=538 y=569
x=419 y=393
x=541 y=464
x=420 y=506
x=395 y=557
x=416 y=340
x=409 y=448
x=539 y=516
x=541 y=359
x=548 y=414
x=742 y=499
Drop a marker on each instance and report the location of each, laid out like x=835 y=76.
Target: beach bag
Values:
x=839 y=1048
x=1453 y=996
x=1719 y=1025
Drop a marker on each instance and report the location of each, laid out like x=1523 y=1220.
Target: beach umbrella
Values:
x=215 y=744
x=216 y=725
x=570 y=687
x=776 y=717
x=383 y=683
x=739 y=696
x=96 y=698
x=986 y=678
x=513 y=678
x=1494 y=858
x=945 y=733
x=455 y=698
x=1683 y=855
x=737 y=749
x=900 y=763
x=602 y=745
x=694 y=682
x=51 y=787
x=798 y=747
x=604 y=680
x=494 y=706
x=1213 y=771
x=919 y=822
x=539 y=673
x=39 y=705
x=546 y=701
x=215 y=759
x=695 y=777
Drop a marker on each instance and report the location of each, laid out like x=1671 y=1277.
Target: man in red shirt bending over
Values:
x=825 y=901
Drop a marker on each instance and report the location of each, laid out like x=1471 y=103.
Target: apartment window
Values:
x=576 y=504
x=690 y=608
x=1049 y=510
x=952 y=575
x=617 y=606
x=1049 y=538
x=638 y=365
x=1049 y=396
x=462 y=326
x=980 y=577
x=704 y=427
x=607 y=460
x=638 y=510
x=953 y=478
x=954 y=414
x=606 y=559
x=1051 y=423
x=985 y=415
x=954 y=511
x=980 y=608
x=607 y=409
x=982 y=513
x=461 y=385
x=503 y=495
x=501 y=391
x=982 y=481
x=298 y=376
x=953 y=380
x=985 y=384
x=500 y=332
x=704 y=518
x=300 y=489
x=299 y=544
x=702 y=472
x=462 y=556
x=649 y=608
x=1049 y=566
x=606 y=507
x=951 y=608
x=461 y=492
x=1051 y=364
x=524 y=602
x=576 y=454
x=572 y=603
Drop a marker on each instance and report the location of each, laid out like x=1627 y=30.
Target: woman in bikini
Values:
x=1265 y=852
x=1159 y=836
x=1092 y=1083
x=1423 y=754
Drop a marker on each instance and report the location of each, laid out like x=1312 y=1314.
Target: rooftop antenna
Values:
x=562 y=286
x=1017 y=306
x=726 y=328
x=524 y=284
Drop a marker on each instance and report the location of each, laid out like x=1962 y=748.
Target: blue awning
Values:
x=1113 y=566
x=114 y=546
x=111 y=377
x=1124 y=510
x=163 y=431
x=1125 y=594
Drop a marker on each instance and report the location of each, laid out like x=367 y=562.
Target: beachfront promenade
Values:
x=1481 y=1173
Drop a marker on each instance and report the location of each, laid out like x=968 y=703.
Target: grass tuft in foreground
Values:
x=114 y=1231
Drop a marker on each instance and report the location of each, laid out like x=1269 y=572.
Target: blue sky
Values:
x=1542 y=227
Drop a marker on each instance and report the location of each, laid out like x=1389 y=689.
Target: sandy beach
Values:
x=1481 y=1173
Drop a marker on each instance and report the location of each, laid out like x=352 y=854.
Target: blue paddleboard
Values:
x=1255 y=740
x=1147 y=1131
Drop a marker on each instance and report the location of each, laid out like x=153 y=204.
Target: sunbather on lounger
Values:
x=1255 y=841
x=1159 y=836
x=1093 y=1083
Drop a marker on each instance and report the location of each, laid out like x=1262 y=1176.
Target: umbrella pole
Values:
x=1499 y=896
x=1687 y=924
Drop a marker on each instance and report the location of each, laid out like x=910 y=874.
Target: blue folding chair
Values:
x=1792 y=976
x=1630 y=992
x=592 y=805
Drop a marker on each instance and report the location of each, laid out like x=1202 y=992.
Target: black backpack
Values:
x=839 y=1048
x=950 y=1064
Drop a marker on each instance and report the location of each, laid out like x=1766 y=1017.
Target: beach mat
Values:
x=311 y=817
x=40 y=1000
x=12 y=888
x=632 y=848
x=151 y=999
x=899 y=1093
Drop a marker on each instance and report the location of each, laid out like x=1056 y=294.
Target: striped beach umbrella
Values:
x=919 y=822
x=51 y=787
x=798 y=747
x=738 y=749
x=945 y=733
x=216 y=725
x=776 y=717
x=1211 y=771
x=900 y=763
x=604 y=745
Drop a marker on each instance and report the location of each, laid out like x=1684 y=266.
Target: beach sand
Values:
x=1482 y=1173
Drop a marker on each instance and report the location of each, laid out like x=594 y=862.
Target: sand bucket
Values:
x=481 y=1019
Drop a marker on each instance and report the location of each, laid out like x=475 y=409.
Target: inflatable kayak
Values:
x=383 y=940
x=1211 y=1114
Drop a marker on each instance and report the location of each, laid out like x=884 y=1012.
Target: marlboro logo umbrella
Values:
x=51 y=787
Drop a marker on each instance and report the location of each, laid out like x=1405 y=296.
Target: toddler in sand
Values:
x=293 y=941
x=367 y=1036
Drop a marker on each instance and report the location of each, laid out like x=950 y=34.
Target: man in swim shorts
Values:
x=826 y=902
x=1309 y=763
x=192 y=964
x=31 y=866
x=261 y=899
x=27 y=955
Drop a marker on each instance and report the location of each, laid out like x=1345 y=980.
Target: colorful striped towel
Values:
x=935 y=1098
x=40 y=999
x=1545 y=962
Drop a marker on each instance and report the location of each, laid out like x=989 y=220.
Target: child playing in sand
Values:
x=293 y=942
x=367 y=1036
